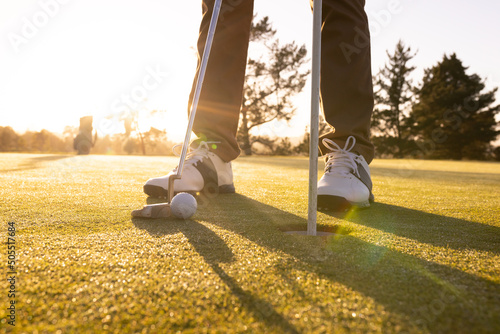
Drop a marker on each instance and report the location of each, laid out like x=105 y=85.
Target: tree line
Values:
x=154 y=142
x=448 y=115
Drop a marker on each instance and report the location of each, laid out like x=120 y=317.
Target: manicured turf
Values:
x=424 y=258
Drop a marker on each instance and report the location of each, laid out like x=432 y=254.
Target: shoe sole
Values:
x=338 y=204
x=160 y=192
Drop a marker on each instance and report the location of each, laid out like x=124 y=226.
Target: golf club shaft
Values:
x=199 y=83
x=314 y=130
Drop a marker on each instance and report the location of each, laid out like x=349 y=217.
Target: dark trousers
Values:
x=346 y=79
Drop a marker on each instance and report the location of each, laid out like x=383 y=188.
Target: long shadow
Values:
x=35 y=162
x=402 y=283
x=215 y=251
x=427 y=227
x=432 y=296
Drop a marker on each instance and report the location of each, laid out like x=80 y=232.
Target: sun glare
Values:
x=104 y=64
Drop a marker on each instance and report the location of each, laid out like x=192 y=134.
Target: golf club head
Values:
x=160 y=210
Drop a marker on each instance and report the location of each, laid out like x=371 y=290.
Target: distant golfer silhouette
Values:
x=83 y=142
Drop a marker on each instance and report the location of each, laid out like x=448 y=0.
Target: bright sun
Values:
x=102 y=61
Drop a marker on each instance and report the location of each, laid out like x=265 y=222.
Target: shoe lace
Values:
x=194 y=155
x=340 y=160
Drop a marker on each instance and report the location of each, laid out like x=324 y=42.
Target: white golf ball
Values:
x=183 y=205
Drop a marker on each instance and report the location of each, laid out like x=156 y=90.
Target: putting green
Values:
x=424 y=258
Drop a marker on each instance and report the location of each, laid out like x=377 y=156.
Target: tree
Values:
x=283 y=147
x=496 y=153
x=453 y=117
x=157 y=142
x=274 y=146
x=131 y=124
x=270 y=83
x=130 y=145
x=131 y=119
x=9 y=140
x=393 y=95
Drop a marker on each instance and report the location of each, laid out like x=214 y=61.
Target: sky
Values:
x=64 y=59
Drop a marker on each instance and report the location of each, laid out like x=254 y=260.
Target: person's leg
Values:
x=208 y=167
x=218 y=111
x=347 y=102
x=346 y=78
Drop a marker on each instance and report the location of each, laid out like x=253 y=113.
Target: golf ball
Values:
x=183 y=205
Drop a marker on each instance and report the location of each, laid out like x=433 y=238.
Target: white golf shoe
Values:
x=347 y=182
x=203 y=171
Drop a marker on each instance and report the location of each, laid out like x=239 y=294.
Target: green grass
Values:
x=424 y=258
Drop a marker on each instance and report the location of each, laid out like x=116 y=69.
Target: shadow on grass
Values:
x=215 y=251
x=427 y=293
x=430 y=295
x=428 y=228
x=35 y=162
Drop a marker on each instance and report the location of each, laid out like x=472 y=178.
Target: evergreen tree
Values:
x=453 y=118
x=271 y=82
x=393 y=96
